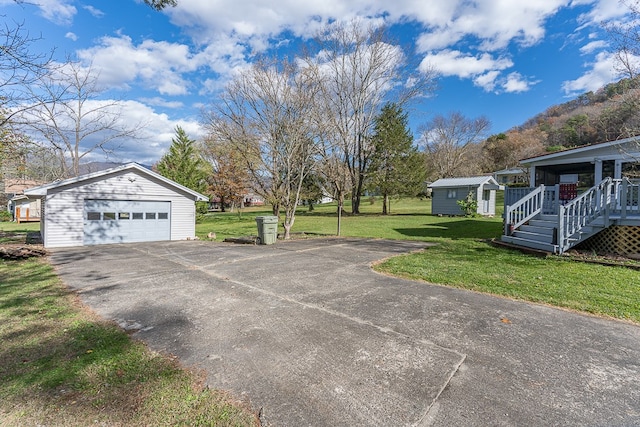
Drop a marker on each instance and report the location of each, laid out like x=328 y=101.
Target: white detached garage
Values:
x=129 y=203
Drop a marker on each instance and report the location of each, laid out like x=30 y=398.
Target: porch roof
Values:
x=628 y=148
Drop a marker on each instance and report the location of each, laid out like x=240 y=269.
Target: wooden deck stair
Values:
x=541 y=233
x=529 y=224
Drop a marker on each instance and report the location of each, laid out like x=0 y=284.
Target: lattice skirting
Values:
x=617 y=239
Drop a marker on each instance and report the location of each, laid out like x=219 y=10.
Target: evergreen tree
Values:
x=183 y=163
x=397 y=168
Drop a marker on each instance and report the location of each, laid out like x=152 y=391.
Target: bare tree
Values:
x=266 y=113
x=359 y=68
x=336 y=177
x=161 y=4
x=504 y=151
x=71 y=120
x=448 y=142
x=19 y=68
x=625 y=38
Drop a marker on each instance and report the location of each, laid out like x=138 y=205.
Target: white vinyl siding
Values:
x=64 y=205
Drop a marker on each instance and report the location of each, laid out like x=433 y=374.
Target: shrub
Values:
x=469 y=205
x=5 y=216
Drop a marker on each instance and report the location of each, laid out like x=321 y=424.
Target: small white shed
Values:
x=447 y=191
x=128 y=203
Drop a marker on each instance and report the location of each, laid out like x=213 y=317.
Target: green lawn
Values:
x=59 y=365
x=464 y=257
x=62 y=366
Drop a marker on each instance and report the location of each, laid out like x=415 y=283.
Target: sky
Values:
x=507 y=60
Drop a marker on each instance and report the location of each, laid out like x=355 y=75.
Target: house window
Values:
x=163 y=215
x=137 y=215
x=93 y=216
x=452 y=194
x=109 y=216
x=123 y=215
x=150 y=215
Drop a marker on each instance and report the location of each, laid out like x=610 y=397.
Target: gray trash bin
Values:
x=267 y=229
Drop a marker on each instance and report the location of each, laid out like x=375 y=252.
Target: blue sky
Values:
x=505 y=59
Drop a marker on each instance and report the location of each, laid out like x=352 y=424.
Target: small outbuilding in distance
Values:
x=447 y=191
x=128 y=203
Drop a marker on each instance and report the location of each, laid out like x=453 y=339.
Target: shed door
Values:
x=486 y=201
x=125 y=221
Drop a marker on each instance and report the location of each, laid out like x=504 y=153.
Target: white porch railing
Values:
x=627 y=194
x=551 y=197
x=523 y=210
x=575 y=215
x=610 y=201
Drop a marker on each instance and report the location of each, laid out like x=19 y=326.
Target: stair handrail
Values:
x=583 y=210
x=523 y=210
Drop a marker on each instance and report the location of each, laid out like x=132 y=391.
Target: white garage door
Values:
x=125 y=221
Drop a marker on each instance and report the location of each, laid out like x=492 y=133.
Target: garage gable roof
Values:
x=473 y=181
x=43 y=189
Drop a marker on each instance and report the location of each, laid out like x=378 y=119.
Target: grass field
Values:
x=62 y=366
x=59 y=365
x=464 y=257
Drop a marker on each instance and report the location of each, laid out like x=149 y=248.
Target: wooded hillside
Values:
x=612 y=112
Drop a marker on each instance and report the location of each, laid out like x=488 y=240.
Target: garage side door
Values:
x=126 y=221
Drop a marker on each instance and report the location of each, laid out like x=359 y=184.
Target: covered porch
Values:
x=576 y=194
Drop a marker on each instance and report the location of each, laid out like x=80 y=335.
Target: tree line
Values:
x=333 y=121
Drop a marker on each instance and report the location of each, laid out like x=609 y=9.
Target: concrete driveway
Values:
x=307 y=332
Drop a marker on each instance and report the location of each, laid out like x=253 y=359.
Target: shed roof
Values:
x=472 y=181
x=43 y=189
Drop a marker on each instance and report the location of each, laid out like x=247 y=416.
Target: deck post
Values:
x=507 y=218
x=560 y=230
x=623 y=198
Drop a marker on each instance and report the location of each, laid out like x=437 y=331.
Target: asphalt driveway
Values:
x=306 y=331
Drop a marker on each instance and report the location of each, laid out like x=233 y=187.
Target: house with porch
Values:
x=587 y=196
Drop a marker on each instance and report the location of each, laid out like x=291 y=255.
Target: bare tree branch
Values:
x=68 y=116
x=266 y=114
x=19 y=68
x=359 y=69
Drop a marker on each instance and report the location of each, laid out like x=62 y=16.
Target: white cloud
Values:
x=494 y=23
x=456 y=63
x=161 y=102
x=58 y=11
x=154 y=135
x=600 y=73
x=158 y=65
x=602 y=10
x=484 y=69
x=487 y=81
x=94 y=11
x=593 y=46
x=516 y=83
x=71 y=36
